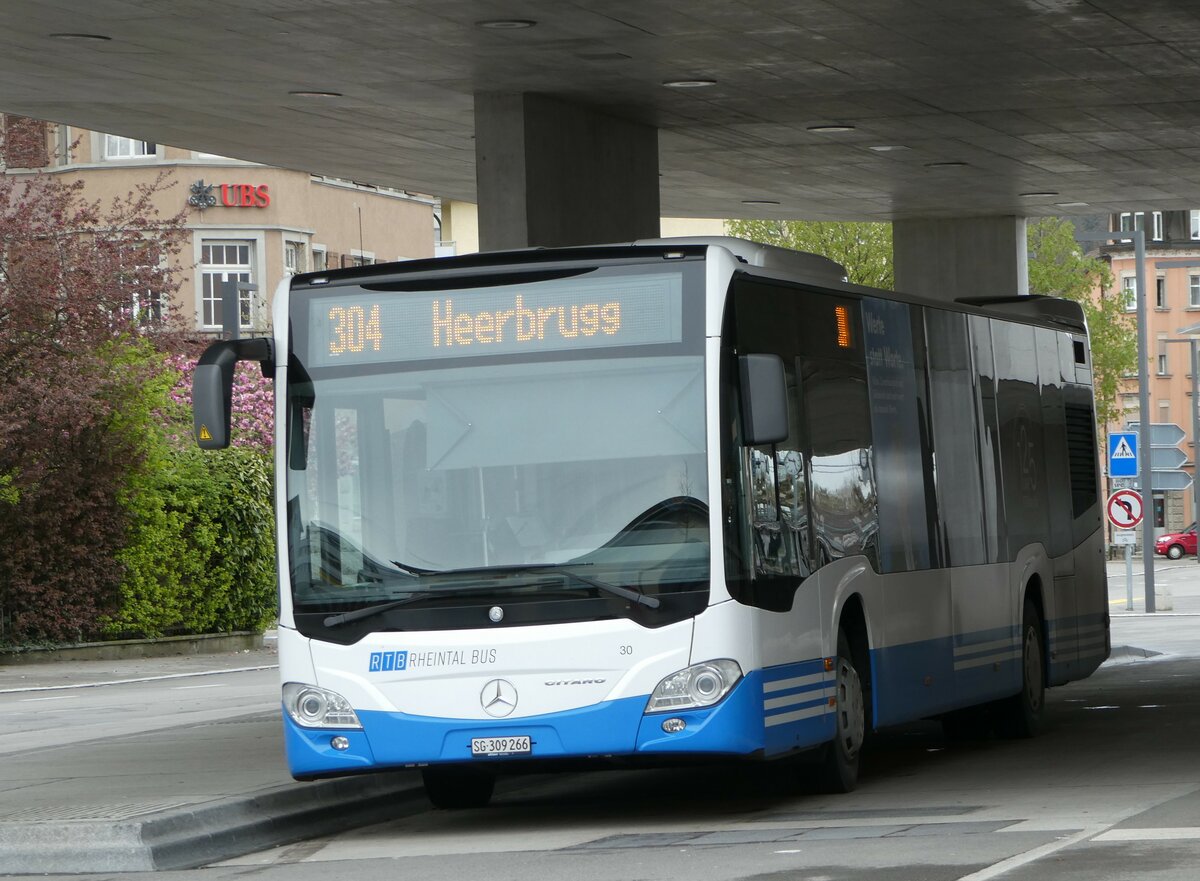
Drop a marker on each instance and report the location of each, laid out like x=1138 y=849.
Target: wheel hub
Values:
x=851 y=712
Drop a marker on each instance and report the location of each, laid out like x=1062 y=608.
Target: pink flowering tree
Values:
x=253 y=406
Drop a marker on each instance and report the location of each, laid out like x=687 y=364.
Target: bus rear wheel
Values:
x=1023 y=713
x=840 y=757
x=457 y=788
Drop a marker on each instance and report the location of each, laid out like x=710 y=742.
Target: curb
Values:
x=186 y=838
x=1121 y=653
x=126 y=649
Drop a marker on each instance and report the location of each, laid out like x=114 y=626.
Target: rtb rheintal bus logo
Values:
x=383 y=662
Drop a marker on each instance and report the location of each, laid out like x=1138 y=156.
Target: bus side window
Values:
x=780 y=499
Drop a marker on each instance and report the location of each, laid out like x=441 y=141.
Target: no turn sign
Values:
x=1125 y=509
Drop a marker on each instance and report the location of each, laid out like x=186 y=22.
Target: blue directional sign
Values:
x=1123 y=454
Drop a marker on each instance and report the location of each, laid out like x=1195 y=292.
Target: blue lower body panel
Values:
x=734 y=727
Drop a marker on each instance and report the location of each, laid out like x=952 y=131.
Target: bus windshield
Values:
x=444 y=474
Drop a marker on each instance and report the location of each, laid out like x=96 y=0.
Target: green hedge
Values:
x=200 y=555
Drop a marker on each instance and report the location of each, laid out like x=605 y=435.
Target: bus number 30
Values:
x=627 y=650
x=352 y=329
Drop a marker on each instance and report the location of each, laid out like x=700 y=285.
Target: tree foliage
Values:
x=1059 y=268
x=72 y=274
x=865 y=249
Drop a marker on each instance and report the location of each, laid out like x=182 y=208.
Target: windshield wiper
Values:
x=368 y=611
x=634 y=596
x=626 y=593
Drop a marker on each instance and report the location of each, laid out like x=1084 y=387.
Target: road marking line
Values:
x=1168 y=834
x=1029 y=856
x=142 y=679
x=30 y=700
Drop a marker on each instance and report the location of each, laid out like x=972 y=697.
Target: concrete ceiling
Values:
x=1095 y=101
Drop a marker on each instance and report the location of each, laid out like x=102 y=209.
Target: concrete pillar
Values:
x=550 y=173
x=961 y=257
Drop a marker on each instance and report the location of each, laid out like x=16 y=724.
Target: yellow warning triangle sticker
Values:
x=205 y=434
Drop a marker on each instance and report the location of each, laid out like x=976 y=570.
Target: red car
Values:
x=1176 y=544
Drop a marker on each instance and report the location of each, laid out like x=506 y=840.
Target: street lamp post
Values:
x=1145 y=477
x=1192 y=343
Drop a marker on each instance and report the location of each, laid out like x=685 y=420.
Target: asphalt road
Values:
x=1111 y=792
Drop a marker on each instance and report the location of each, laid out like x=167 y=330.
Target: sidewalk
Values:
x=207 y=785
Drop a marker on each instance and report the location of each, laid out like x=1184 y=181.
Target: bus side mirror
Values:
x=212 y=386
x=764 y=400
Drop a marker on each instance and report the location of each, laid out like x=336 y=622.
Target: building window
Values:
x=148 y=308
x=319 y=262
x=293 y=258
x=1157 y=231
x=220 y=262
x=1195 y=223
x=1162 y=364
x=1129 y=292
x=117 y=147
x=1133 y=220
x=1194 y=291
x=1160 y=292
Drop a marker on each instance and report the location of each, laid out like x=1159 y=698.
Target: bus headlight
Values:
x=313 y=707
x=700 y=685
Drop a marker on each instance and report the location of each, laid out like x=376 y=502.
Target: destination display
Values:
x=561 y=315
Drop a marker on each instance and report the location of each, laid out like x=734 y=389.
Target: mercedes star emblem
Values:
x=496 y=614
x=499 y=698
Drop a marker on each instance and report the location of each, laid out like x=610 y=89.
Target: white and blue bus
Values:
x=680 y=499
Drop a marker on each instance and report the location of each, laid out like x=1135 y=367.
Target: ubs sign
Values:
x=232 y=195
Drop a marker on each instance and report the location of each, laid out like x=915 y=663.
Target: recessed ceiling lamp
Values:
x=314 y=93
x=888 y=148
x=1071 y=204
x=505 y=24
x=760 y=201
x=82 y=38
x=1037 y=193
x=689 y=84
x=830 y=128
x=952 y=164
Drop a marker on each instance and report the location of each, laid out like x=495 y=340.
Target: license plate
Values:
x=501 y=746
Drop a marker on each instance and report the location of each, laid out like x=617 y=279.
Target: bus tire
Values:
x=1024 y=713
x=454 y=788
x=840 y=757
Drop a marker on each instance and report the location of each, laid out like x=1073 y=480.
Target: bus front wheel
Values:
x=840 y=758
x=453 y=788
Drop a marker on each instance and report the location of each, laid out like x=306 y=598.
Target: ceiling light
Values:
x=505 y=24
x=1071 y=204
x=314 y=93
x=83 y=38
x=689 y=84
x=1037 y=193
x=760 y=201
x=951 y=164
x=830 y=128
x=887 y=148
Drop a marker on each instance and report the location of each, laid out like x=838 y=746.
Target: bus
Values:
x=674 y=500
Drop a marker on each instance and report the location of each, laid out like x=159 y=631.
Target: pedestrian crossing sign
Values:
x=1122 y=454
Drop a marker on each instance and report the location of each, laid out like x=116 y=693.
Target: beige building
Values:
x=1172 y=268
x=248 y=223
